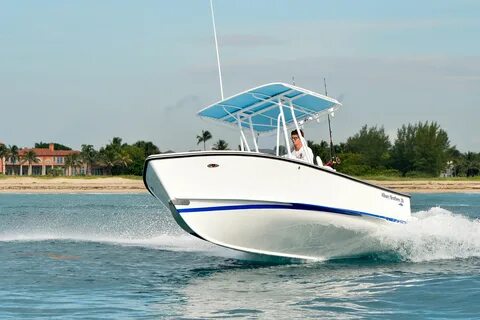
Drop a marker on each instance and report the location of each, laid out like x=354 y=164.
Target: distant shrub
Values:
x=357 y=170
x=416 y=174
x=55 y=172
x=388 y=173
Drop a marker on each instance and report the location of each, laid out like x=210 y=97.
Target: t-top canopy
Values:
x=259 y=108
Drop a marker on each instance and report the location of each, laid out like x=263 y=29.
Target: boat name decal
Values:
x=393 y=198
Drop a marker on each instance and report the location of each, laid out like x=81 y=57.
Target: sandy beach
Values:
x=71 y=185
x=431 y=186
x=125 y=185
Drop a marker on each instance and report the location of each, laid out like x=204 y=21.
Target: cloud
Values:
x=249 y=40
x=184 y=104
x=244 y=41
x=414 y=24
x=388 y=25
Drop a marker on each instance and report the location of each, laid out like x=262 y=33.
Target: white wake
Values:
x=434 y=234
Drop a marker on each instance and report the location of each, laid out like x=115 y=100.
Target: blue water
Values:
x=122 y=256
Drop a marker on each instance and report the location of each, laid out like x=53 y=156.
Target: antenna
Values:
x=216 y=47
x=293 y=80
x=329 y=126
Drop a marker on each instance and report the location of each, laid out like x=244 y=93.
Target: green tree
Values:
x=31 y=157
x=339 y=148
x=472 y=164
x=220 y=145
x=421 y=148
x=403 y=150
x=137 y=160
x=353 y=164
x=372 y=144
x=109 y=158
x=46 y=145
x=56 y=171
x=13 y=156
x=148 y=147
x=204 y=137
x=464 y=164
x=72 y=162
x=431 y=147
x=321 y=150
x=123 y=158
x=116 y=143
x=88 y=155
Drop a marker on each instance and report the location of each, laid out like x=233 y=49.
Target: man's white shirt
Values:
x=304 y=154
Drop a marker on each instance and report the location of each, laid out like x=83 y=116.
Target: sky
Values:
x=83 y=72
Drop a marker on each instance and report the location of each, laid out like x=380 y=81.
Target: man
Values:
x=300 y=151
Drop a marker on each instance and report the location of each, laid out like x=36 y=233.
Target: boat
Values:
x=271 y=204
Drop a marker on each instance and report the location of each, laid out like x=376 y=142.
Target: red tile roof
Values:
x=45 y=152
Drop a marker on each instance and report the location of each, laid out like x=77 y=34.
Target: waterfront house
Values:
x=49 y=162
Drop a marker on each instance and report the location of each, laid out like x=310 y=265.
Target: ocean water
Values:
x=108 y=256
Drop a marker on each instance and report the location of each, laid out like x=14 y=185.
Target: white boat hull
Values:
x=268 y=205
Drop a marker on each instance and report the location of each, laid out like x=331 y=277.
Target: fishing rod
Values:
x=332 y=150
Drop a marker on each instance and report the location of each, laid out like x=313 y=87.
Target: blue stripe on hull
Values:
x=291 y=206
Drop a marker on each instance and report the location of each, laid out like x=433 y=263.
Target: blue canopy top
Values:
x=261 y=106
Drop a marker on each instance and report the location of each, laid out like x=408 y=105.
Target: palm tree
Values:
x=148 y=147
x=204 y=137
x=88 y=156
x=3 y=155
x=31 y=157
x=472 y=164
x=115 y=144
x=220 y=145
x=108 y=158
x=68 y=164
x=72 y=161
x=123 y=158
x=13 y=155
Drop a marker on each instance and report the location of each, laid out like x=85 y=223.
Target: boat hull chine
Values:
x=276 y=230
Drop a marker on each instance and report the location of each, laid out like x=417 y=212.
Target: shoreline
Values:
x=69 y=185
x=126 y=185
x=430 y=186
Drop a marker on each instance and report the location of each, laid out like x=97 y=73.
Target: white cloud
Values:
x=249 y=40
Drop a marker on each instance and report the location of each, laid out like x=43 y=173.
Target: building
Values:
x=50 y=162
x=449 y=170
